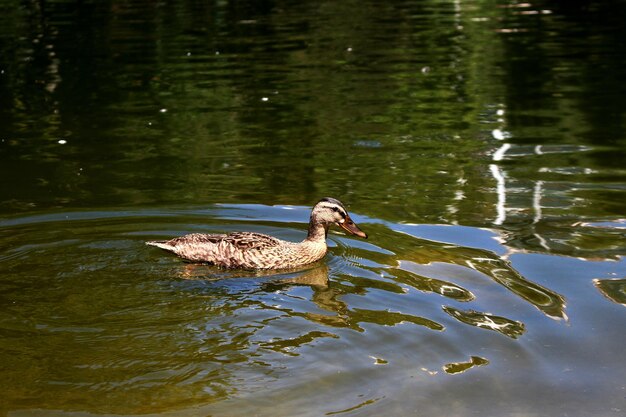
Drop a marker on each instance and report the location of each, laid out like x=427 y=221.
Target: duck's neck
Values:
x=317 y=232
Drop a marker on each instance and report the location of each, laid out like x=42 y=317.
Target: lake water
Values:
x=480 y=145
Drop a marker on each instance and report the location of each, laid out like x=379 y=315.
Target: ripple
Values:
x=425 y=284
x=391 y=318
x=121 y=320
x=287 y=346
x=461 y=367
x=612 y=289
x=507 y=327
x=615 y=224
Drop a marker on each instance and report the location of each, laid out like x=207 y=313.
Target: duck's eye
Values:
x=335 y=209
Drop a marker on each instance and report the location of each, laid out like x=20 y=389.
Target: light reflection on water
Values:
x=136 y=330
x=502 y=120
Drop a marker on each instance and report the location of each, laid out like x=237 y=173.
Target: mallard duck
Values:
x=250 y=250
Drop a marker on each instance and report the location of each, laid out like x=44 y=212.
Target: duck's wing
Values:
x=250 y=240
x=239 y=240
x=186 y=240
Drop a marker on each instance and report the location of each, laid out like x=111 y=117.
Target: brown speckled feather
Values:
x=241 y=240
x=242 y=250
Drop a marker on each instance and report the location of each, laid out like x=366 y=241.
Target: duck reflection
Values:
x=317 y=276
x=327 y=296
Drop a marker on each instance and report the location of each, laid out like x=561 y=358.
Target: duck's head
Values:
x=330 y=211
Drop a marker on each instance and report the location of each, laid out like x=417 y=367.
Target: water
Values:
x=447 y=312
x=479 y=144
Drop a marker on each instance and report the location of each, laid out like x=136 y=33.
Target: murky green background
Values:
x=480 y=144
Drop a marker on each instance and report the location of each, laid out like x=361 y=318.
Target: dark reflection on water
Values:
x=424 y=111
x=503 y=325
x=459 y=367
x=481 y=144
x=613 y=289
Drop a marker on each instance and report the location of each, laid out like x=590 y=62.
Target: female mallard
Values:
x=258 y=251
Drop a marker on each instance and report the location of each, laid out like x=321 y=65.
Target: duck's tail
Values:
x=161 y=244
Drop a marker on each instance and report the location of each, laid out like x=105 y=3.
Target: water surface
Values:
x=479 y=144
x=96 y=321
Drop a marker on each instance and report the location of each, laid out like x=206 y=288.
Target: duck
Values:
x=250 y=250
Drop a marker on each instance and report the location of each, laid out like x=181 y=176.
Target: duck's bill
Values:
x=349 y=226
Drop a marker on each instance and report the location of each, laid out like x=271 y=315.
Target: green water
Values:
x=479 y=144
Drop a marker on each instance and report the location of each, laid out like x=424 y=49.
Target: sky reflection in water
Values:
x=480 y=145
